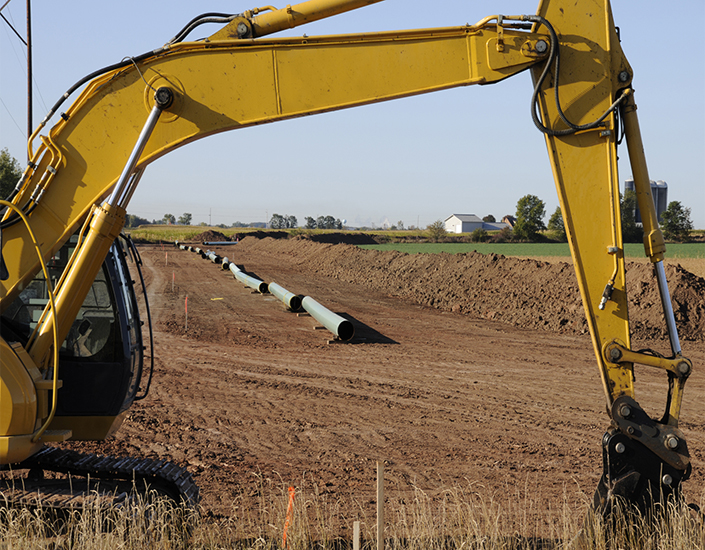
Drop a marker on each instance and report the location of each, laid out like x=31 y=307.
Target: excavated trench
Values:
x=465 y=371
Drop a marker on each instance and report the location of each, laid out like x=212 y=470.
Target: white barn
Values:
x=467 y=223
x=463 y=223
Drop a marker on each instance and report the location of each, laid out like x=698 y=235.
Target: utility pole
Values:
x=30 y=126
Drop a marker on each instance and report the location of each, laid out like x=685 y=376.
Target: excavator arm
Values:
x=85 y=170
x=583 y=94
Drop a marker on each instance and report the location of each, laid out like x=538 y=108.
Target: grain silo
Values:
x=659 y=191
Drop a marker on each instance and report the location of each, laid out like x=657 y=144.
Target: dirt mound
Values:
x=264 y=234
x=211 y=236
x=340 y=238
x=687 y=296
x=519 y=292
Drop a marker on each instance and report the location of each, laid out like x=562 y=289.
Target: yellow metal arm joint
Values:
x=616 y=352
x=678 y=368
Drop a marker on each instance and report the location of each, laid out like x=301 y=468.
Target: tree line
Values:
x=676 y=223
x=278 y=221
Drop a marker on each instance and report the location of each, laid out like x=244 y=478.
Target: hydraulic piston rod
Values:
x=342 y=328
x=267 y=20
x=654 y=245
x=291 y=300
x=162 y=100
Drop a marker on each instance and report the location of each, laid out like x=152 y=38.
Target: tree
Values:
x=676 y=223
x=325 y=222
x=479 y=236
x=400 y=225
x=489 y=218
x=185 y=219
x=310 y=223
x=135 y=221
x=436 y=230
x=530 y=213
x=10 y=173
x=557 y=226
x=277 y=221
x=169 y=219
x=505 y=235
x=631 y=232
x=282 y=222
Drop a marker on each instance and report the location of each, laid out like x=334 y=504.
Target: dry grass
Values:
x=459 y=518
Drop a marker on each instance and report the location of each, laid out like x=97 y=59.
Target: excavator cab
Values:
x=101 y=359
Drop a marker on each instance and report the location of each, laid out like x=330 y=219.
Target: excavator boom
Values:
x=84 y=172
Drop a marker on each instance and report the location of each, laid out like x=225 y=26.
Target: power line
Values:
x=13 y=120
x=13 y=28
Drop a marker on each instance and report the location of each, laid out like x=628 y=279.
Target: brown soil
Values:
x=463 y=369
x=210 y=235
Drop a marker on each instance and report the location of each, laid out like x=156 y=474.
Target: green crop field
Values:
x=675 y=250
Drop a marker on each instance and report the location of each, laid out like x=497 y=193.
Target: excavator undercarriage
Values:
x=61 y=479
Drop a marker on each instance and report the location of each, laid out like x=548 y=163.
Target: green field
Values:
x=675 y=250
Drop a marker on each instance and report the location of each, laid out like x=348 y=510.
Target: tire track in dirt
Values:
x=250 y=391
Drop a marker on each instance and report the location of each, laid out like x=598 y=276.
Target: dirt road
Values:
x=251 y=390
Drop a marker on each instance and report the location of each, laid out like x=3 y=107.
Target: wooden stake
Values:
x=380 y=505
x=186 y=311
x=356 y=535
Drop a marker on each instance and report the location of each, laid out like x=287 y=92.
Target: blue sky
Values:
x=470 y=151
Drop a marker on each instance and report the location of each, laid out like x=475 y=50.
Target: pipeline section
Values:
x=342 y=328
x=213 y=257
x=291 y=300
x=259 y=286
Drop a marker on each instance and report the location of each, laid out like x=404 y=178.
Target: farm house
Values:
x=467 y=223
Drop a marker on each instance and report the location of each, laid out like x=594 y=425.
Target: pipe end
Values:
x=346 y=330
x=295 y=303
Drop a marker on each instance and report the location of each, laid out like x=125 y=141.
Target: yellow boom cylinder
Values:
x=300 y=14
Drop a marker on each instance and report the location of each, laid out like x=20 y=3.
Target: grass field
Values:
x=531 y=250
x=690 y=256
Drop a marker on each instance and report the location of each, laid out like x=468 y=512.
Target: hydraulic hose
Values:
x=138 y=263
x=84 y=80
x=202 y=19
x=554 y=57
x=55 y=330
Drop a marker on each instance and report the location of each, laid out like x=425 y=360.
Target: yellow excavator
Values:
x=71 y=346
